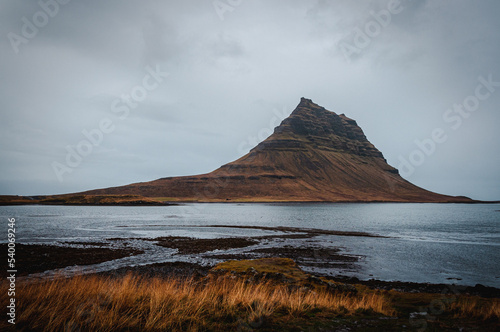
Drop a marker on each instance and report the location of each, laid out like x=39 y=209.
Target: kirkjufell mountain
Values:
x=313 y=155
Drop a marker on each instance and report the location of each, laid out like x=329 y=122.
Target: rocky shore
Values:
x=39 y=258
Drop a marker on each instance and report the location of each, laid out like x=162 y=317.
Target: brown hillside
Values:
x=313 y=155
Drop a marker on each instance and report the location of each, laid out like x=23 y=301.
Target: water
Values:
x=436 y=243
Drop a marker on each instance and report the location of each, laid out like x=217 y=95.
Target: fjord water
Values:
x=436 y=243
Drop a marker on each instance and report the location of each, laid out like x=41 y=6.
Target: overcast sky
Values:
x=167 y=88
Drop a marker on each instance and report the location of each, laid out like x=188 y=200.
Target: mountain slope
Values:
x=313 y=155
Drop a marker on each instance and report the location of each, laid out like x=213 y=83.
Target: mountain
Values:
x=313 y=155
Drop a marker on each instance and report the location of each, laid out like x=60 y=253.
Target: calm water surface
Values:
x=437 y=243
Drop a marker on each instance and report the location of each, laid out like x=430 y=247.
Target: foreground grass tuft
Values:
x=476 y=307
x=135 y=303
x=227 y=303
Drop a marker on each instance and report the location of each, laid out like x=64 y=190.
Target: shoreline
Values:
x=137 y=200
x=176 y=203
x=37 y=259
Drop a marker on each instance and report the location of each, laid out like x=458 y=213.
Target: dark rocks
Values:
x=483 y=291
x=187 y=245
x=339 y=287
x=166 y=270
x=325 y=129
x=35 y=258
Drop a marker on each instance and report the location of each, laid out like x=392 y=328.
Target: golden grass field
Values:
x=131 y=302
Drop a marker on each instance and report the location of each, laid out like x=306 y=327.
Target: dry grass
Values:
x=476 y=307
x=96 y=303
x=134 y=303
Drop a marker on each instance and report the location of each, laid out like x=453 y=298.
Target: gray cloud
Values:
x=229 y=78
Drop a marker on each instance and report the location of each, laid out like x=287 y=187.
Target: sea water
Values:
x=436 y=243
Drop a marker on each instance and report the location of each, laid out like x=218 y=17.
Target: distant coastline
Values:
x=137 y=200
x=82 y=200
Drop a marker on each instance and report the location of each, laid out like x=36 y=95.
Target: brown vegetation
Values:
x=126 y=200
x=107 y=304
x=476 y=307
x=97 y=303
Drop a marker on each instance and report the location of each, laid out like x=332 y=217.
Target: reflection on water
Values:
x=422 y=242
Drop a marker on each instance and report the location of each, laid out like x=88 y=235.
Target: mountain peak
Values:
x=305 y=101
x=307 y=105
x=312 y=124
